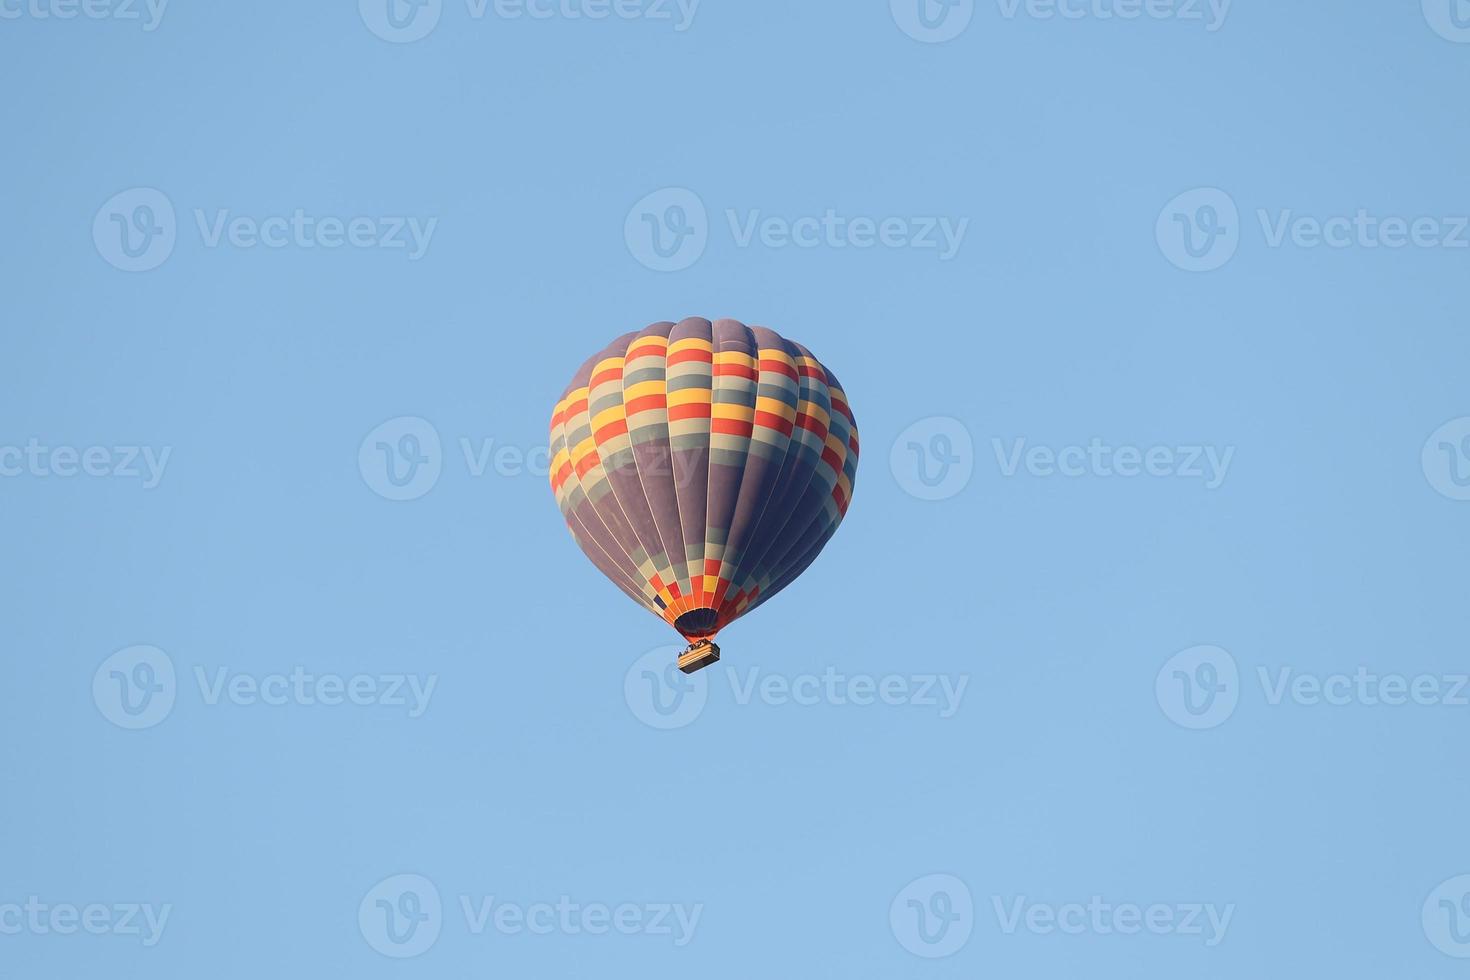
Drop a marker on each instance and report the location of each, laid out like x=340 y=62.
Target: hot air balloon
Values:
x=702 y=467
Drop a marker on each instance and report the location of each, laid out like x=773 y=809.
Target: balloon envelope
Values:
x=703 y=466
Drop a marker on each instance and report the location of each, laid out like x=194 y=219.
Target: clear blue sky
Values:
x=1111 y=297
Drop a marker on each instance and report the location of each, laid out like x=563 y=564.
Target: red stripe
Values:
x=735 y=371
x=807 y=371
x=611 y=374
x=830 y=458
x=644 y=348
x=618 y=428
x=772 y=421
x=811 y=425
x=692 y=411
x=645 y=403
x=731 y=427
x=690 y=354
x=778 y=367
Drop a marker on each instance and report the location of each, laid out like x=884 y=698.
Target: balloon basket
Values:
x=700 y=654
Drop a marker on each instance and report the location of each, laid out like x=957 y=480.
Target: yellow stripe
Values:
x=689 y=343
x=775 y=407
x=816 y=412
x=726 y=410
x=777 y=354
x=607 y=365
x=654 y=387
x=689 y=396
x=607 y=416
